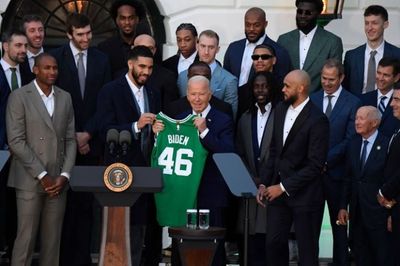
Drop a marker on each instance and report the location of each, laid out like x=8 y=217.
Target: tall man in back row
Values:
x=293 y=180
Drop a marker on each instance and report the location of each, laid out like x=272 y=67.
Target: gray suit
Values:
x=39 y=143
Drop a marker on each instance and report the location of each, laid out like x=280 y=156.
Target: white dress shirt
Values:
x=262 y=119
x=380 y=95
x=378 y=57
x=247 y=62
x=304 y=45
x=7 y=71
x=139 y=97
x=334 y=99
x=290 y=118
x=75 y=53
x=31 y=57
x=184 y=63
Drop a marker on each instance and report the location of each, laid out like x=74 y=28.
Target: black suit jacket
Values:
x=362 y=185
x=299 y=163
x=389 y=123
x=391 y=189
x=172 y=63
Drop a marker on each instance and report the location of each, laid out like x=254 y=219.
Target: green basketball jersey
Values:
x=181 y=156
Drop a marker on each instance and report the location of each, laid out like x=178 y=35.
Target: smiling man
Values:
x=360 y=65
x=310 y=45
x=83 y=70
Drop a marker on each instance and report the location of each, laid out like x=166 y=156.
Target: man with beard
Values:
x=127 y=104
x=237 y=58
x=310 y=45
x=83 y=71
x=12 y=76
x=127 y=14
x=292 y=182
x=33 y=27
x=361 y=63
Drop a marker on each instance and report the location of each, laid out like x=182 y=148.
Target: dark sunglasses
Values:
x=304 y=12
x=262 y=56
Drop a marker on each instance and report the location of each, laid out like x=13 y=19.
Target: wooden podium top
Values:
x=197 y=234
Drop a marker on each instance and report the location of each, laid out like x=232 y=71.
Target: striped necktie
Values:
x=382 y=106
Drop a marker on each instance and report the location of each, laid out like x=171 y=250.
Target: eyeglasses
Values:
x=304 y=12
x=256 y=57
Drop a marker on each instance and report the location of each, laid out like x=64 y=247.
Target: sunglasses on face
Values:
x=262 y=56
x=304 y=12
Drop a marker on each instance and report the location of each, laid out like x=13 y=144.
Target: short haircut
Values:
x=334 y=63
x=199 y=64
x=390 y=61
x=139 y=50
x=372 y=113
x=319 y=5
x=266 y=46
x=199 y=78
x=273 y=87
x=376 y=10
x=257 y=10
x=138 y=6
x=76 y=20
x=210 y=34
x=30 y=18
x=187 y=26
x=7 y=36
x=39 y=58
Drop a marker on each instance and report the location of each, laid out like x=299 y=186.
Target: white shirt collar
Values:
x=372 y=138
x=29 y=54
x=41 y=93
x=132 y=85
x=267 y=109
x=308 y=35
x=205 y=112
x=300 y=107
x=6 y=66
x=75 y=50
x=190 y=58
x=260 y=41
x=388 y=95
x=379 y=49
x=336 y=93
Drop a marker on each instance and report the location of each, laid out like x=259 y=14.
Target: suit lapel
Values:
x=128 y=95
x=37 y=101
x=375 y=150
x=248 y=139
x=317 y=44
x=359 y=66
x=73 y=71
x=267 y=136
x=4 y=78
x=216 y=78
x=295 y=51
x=388 y=111
x=341 y=102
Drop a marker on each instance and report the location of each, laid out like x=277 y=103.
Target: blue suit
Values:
x=234 y=55
x=367 y=218
x=223 y=85
x=354 y=66
x=389 y=124
x=341 y=130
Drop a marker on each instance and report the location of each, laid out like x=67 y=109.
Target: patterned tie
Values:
x=81 y=73
x=328 y=110
x=364 y=154
x=371 y=73
x=14 y=80
x=382 y=106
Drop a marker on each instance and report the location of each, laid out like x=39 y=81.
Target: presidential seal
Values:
x=118 y=177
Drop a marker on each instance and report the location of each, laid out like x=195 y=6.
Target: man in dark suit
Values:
x=387 y=74
x=41 y=136
x=186 y=38
x=237 y=58
x=83 y=71
x=293 y=179
x=340 y=107
x=310 y=45
x=358 y=63
x=365 y=161
x=127 y=104
x=12 y=76
x=33 y=27
x=127 y=15
x=161 y=79
x=390 y=191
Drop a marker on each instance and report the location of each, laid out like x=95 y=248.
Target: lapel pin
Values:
x=378 y=148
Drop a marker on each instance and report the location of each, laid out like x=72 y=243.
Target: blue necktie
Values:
x=382 y=105
x=364 y=154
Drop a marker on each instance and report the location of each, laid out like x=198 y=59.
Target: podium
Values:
x=197 y=247
x=115 y=243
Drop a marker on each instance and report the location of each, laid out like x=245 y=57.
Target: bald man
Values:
x=292 y=184
x=237 y=58
x=162 y=80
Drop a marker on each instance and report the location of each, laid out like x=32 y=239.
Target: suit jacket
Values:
x=361 y=185
x=354 y=66
x=324 y=45
x=389 y=124
x=244 y=147
x=98 y=73
x=37 y=141
x=341 y=124
x=298 y=164
x=213 y=192
x=391 y=173
x=223 y=85
x=172 y=62
x=4 y=92
x=234 y=55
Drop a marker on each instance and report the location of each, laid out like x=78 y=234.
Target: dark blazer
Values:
x=234 y=55
x=245 y=149
x=391 y=188
x=213 y=192
x=98 y=73
x=299 y=163
x=341 y=124
x=323 y=46
x=361 y=186
x=354 y=66
x=172 y=63
x=4 y=93
x=389 y=123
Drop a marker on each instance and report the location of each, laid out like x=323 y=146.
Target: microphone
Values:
x=125 y=140
x=112 y=139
